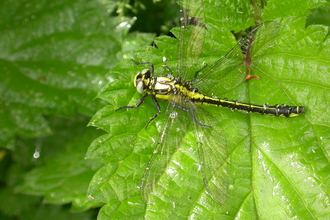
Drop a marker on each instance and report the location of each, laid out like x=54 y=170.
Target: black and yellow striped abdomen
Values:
x=174 y=90
x=276 y=110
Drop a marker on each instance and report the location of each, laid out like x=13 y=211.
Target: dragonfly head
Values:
x=141 y=80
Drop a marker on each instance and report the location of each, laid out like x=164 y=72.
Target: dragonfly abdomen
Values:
x=276 y=110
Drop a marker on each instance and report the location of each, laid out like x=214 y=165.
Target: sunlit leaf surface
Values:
x=278 y=166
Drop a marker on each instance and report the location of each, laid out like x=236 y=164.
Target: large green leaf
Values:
x=278 y=165
x=54 y=58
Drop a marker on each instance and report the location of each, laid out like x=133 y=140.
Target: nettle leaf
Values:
x=278 y=166
x=54 y=58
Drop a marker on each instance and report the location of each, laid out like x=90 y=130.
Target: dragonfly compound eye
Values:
x=138 y=78
x=146 y=73
x=139 y=85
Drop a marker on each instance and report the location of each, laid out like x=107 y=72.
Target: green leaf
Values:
x=277 y=9
x=54 y=58
x=278 y=166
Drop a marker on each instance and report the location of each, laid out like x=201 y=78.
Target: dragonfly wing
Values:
x=171 y=136
x=212 y=150
x=211 y=147
x=265 y=37
x=191 y=37
x=231 y=69
x=213 y=156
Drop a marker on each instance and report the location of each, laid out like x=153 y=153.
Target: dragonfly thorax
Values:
x=145 y=82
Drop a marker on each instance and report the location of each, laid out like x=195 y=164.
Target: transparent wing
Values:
x=173 y=131
x=211 y=148
x=213 y=156
x=191 y=37
x=231 y=69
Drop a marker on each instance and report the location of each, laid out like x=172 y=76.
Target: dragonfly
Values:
x=188 y=101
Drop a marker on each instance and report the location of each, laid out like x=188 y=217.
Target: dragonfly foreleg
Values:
x=151 y=65
x=137 y=104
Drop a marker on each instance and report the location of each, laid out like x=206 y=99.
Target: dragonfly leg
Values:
x=137 y=104
x=158 y=110
x=151 y=65
x=167 y=67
